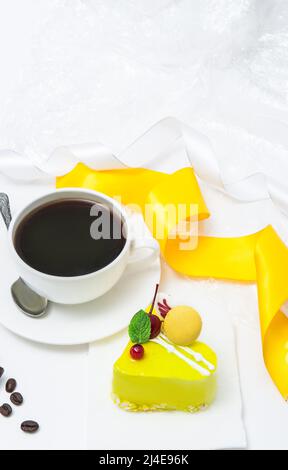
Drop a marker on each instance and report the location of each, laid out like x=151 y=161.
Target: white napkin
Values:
x=220 y=426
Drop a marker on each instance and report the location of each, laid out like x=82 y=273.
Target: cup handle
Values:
x=141 y=261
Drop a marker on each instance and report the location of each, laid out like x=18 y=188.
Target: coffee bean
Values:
x=5 y=410
x=30 y=426
x=1 y=372
x=11 y=385
x=16 y=398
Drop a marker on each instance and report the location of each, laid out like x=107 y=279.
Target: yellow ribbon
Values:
x=261 y=257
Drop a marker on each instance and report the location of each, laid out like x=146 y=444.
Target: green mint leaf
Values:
x=140 y=328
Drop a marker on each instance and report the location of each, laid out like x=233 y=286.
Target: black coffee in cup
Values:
x=62 y=238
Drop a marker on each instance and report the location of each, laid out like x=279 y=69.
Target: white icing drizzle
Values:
x=169 y=347
x=196 y=355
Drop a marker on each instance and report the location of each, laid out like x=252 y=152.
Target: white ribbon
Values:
x=168 y=139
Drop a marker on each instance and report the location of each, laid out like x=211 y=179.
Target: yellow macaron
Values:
x=182 y=325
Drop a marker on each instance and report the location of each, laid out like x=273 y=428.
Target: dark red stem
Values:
x=154 y=299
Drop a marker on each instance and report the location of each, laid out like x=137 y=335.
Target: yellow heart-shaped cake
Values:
x=168 y=377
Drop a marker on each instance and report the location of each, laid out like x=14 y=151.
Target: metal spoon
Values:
x=31 y=303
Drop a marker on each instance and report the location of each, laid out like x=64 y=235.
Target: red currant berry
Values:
x=155 y=326
x=137 y=351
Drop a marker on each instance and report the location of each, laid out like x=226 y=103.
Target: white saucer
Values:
x=78 y=324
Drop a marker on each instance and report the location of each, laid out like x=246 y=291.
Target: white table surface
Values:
x=82 y=71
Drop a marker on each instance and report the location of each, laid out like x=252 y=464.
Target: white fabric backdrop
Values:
x=84 y=70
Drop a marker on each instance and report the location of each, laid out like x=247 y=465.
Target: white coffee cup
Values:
x=79 y=289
